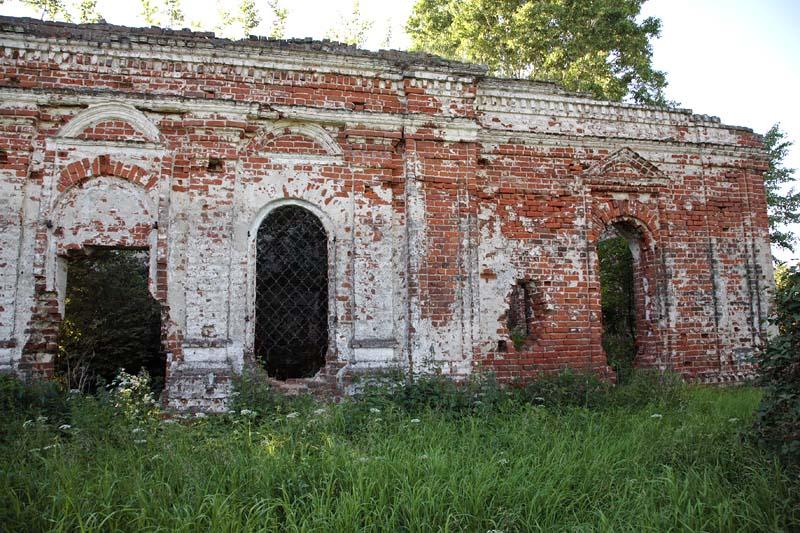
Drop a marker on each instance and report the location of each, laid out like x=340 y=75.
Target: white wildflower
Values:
x=247 y=412
x=656 y=415
x=415 y=420
x=140 y=441
x=199 y=415
x=137 y=430
x=374 y=410
x=733 y=420
x=503 y=461
x=64 y=427
x=293 y=414
x=321 y=411
x=169 y=421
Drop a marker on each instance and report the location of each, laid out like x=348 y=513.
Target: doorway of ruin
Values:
x=623 y=299
x=111 y=322
x=291 y=293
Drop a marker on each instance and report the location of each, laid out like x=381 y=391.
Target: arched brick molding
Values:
x=79 y=171
x=133 y=227
x=107 y=112
x=292 y=140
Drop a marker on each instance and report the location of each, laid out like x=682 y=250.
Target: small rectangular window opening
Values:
x=520 y=313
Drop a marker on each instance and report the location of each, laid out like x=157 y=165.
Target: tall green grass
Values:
x=349 y=467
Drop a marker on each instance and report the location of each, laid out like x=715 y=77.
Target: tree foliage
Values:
x=249 y=16
x=783 y=204
x=593 y=46
x=50 y=9
x=245 y=17
x=778 y=424
x=279 y=16
x=111 y=321
x=351 y=29
x=87 y=12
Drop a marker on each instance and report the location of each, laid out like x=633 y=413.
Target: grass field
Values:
x=514 y=466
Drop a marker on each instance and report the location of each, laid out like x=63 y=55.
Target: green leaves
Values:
x=594 y=46
x=783 y=205
x=778 y=424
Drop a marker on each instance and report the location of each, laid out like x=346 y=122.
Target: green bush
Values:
x=567 y=388
x=38 y=398
x=253 y=394
x=778 y=422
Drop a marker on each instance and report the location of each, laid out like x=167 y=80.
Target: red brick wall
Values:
x=440 y=188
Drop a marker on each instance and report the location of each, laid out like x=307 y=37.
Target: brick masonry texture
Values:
x=440 y=188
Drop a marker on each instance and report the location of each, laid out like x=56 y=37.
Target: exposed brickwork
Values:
x=440 y=190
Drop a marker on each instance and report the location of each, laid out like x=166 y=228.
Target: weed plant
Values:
x=400 y=456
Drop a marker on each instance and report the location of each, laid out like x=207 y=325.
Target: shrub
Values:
x=253 y=393
x=132 y=396
x=778 y=422
x=567 y=388
x=37 y=398
x=650 y=386
x=432 y=392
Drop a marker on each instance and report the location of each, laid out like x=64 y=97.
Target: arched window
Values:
x=291 y=328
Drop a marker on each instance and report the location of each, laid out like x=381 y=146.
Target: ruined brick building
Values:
x=412 y=204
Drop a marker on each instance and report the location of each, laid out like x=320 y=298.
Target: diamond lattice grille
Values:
x=291 y=293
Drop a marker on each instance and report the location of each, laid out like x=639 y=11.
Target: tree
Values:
x=594 y=46
x=87 y=11
x=168 y=13
x=279 y=14
x=778 y=421
x=248 y=16
x=50 y=9
x=150 y=12
x=352 y=29
x=783 y=205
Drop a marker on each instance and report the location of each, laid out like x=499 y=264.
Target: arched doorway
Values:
x=626 y=281
x=291 y=297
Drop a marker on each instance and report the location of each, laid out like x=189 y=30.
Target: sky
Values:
x=735 y=59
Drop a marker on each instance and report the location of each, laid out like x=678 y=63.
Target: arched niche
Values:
x=106 y=112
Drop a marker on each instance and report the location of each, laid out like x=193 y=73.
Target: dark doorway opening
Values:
x=111 y=321
x=291 y=328
x=617 y=301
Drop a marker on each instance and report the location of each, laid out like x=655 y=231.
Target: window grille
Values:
x=291 y=322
